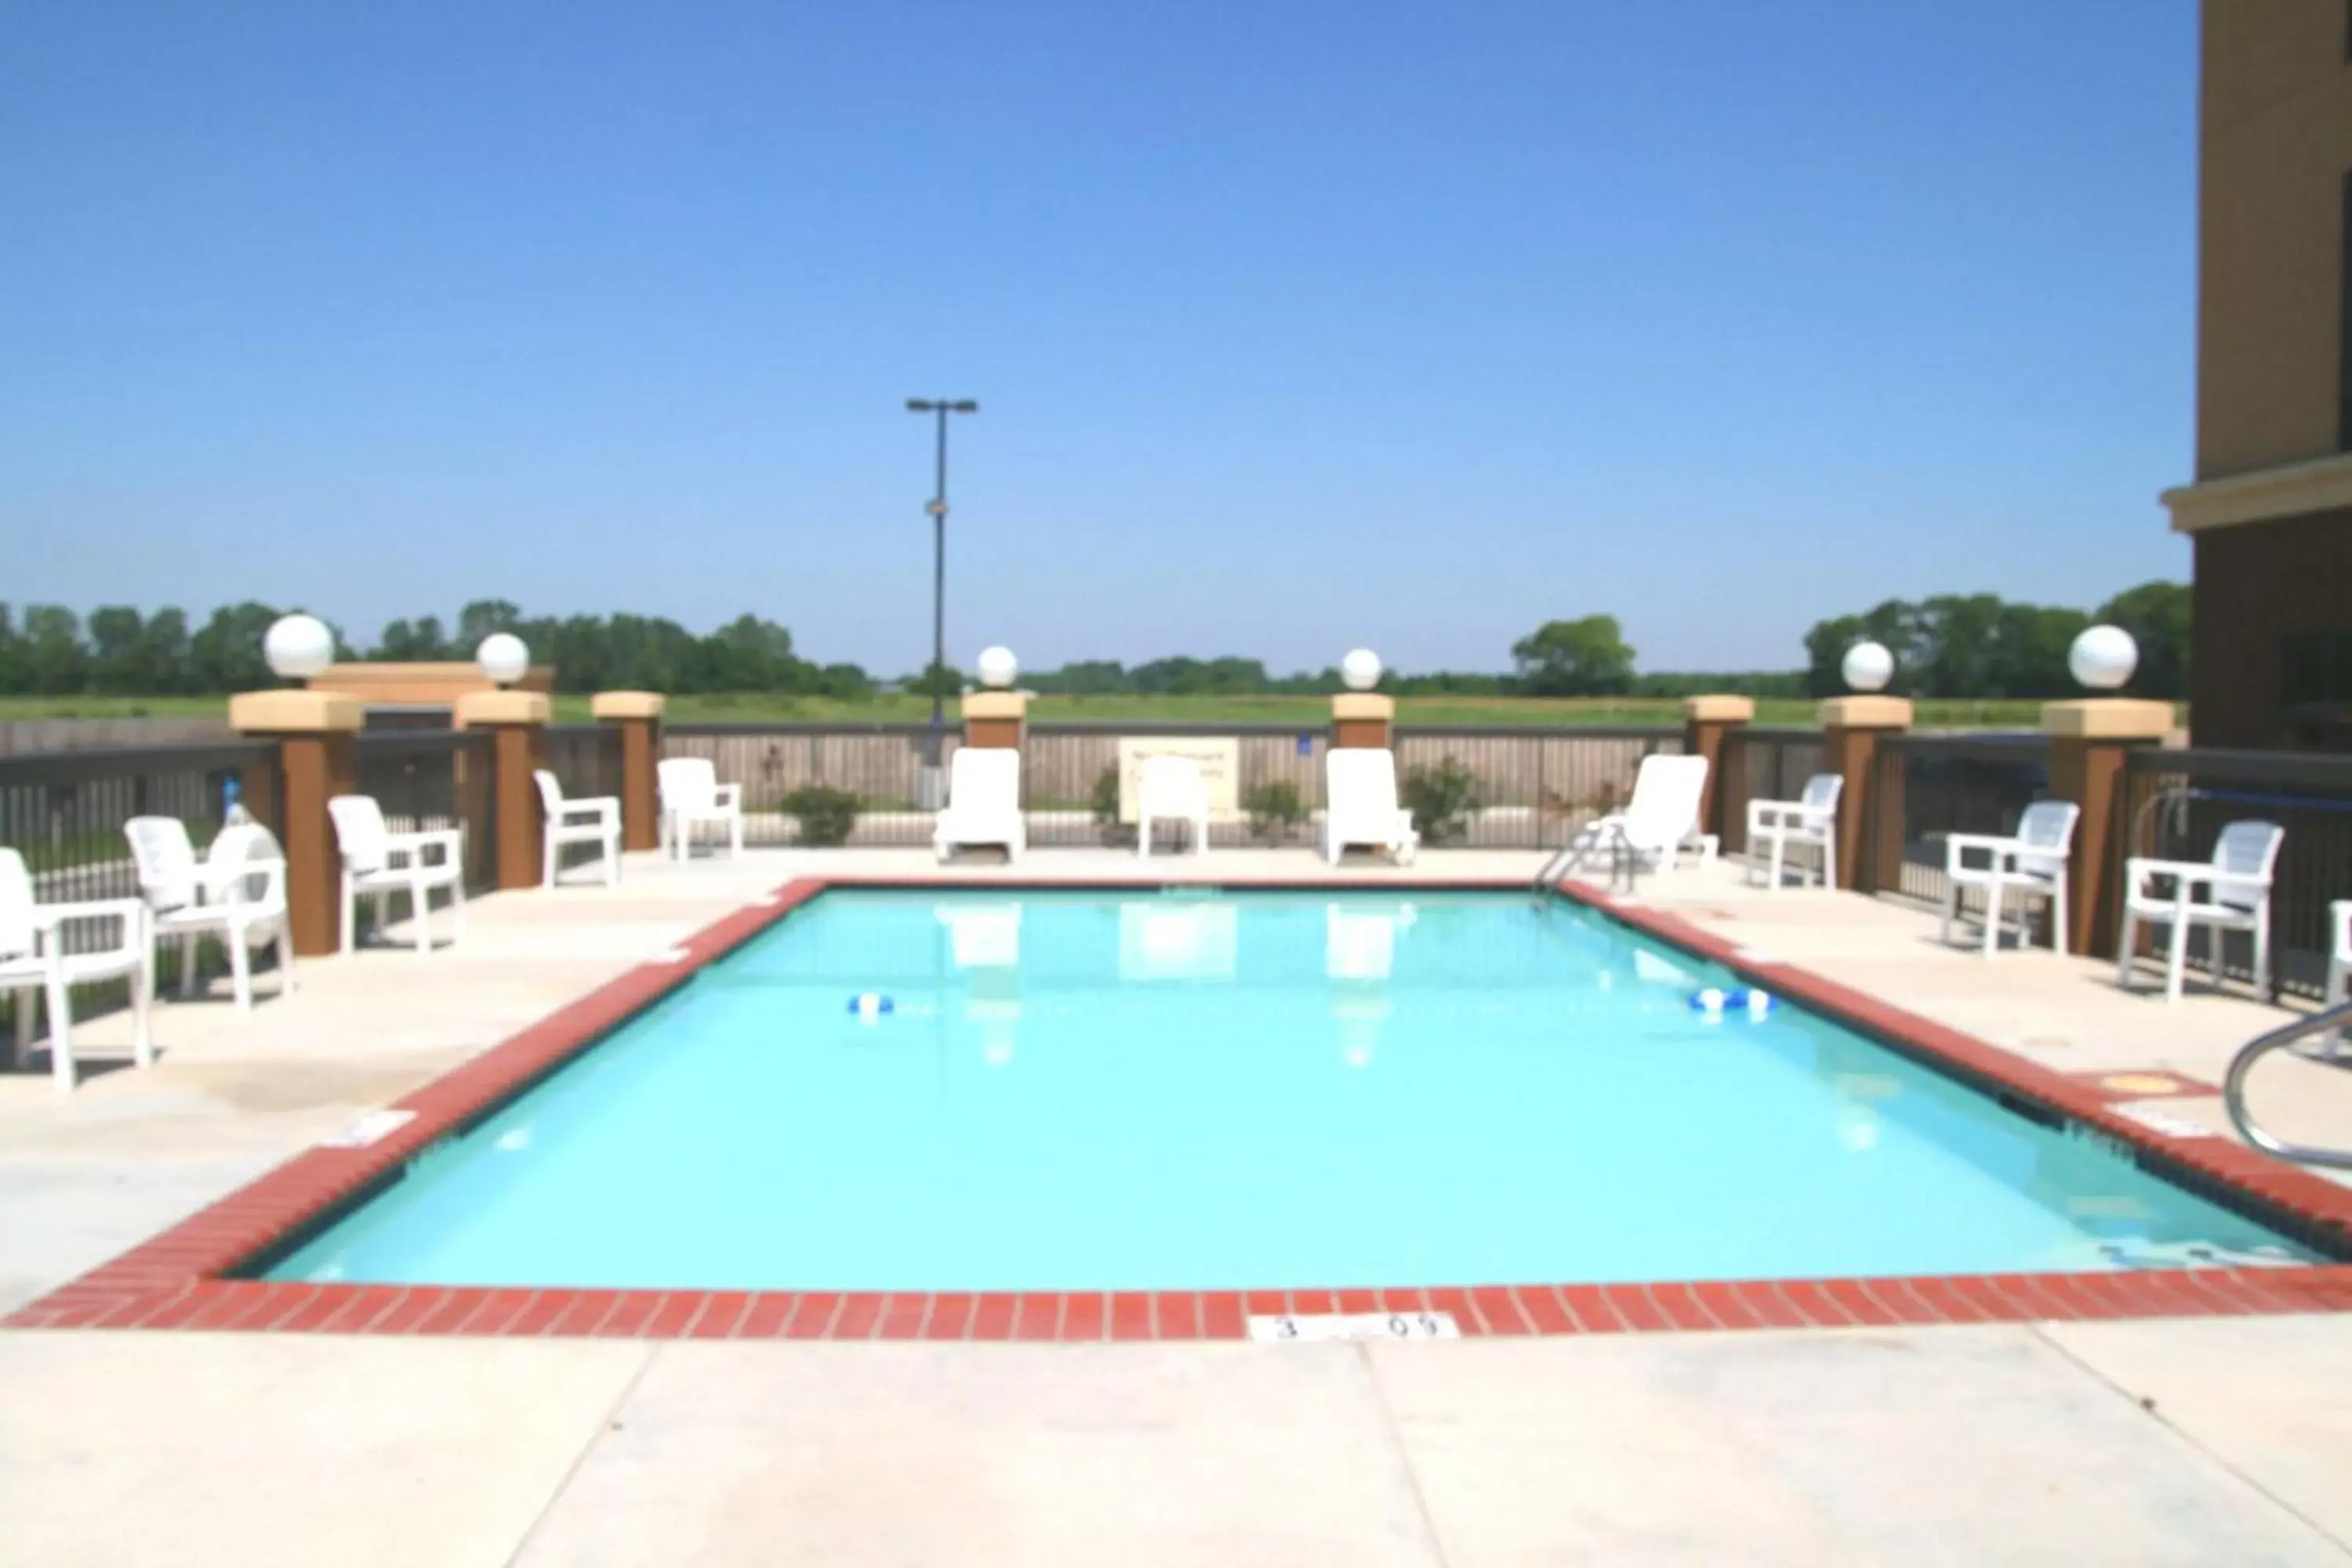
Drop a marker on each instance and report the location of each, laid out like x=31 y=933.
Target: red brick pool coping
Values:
x=179 y=1279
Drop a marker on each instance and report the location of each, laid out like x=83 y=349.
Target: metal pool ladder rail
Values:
x=2234 y=1088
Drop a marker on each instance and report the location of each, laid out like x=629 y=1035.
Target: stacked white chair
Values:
x=236 y=896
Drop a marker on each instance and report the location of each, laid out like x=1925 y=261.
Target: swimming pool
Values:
x=1198 y=1091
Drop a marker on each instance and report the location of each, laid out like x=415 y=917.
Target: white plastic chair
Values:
x=983 y=802
x=380 y=862
x=2237 y=897
x=1172 y=786
x=1808 y=822
x=238 y=898
x=34 y=965
x=2029 y=863
x=2339 y=967
x=692 y=798
x=1360 y=796
x=1659 y=818
x=594 y=820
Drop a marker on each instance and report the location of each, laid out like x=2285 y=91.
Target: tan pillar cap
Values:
x=1866 y=713
x=2108 y=718
x=1720 y=709
x=1362 y=705
x=292 y=713
x=626 y=705
x=475 y=708
x=995 y=705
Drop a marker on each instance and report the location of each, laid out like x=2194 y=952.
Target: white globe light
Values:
x=2103 y=658
x=1360 y=670
x=503 y=658
x=998 y=667
x=1868 y=666
x=298 y=647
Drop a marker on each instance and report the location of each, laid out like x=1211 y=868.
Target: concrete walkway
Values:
x=2174 y=1441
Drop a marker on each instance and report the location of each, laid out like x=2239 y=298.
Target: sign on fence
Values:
x=1219 y=758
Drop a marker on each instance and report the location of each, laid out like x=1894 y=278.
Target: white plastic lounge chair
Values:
x=380 y=862
x=692 y=798
x=237 y=896
x=2030 y=864
x=595 y=820
x=983 y=802
x=34 y=965
x=1359 y=796
x=1659 y=819
x=2237 y=897
x=1172 y=786
x=1808 y=822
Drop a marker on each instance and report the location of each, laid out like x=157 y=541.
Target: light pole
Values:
x=938 y=508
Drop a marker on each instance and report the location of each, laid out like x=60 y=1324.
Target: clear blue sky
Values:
x=1295 y=324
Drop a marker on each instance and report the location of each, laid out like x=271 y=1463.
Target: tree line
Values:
x=1971 y=647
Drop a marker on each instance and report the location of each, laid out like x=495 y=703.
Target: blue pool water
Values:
x=1096 y=1091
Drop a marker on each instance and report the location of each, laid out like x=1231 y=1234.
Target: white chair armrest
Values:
x=451 y=841
x=728 y=798
x=131 y=913
x=2141 y=870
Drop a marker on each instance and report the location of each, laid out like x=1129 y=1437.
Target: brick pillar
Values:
x=1851 y=727
x=638 y=714
x=1706 y=721
x=317 y=759
x=517 y=721
x=2089 y=741
x=1363 y=719
x=996 y=719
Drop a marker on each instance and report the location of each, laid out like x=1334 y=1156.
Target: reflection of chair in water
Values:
x=1360 y=944
x=1170 y=939
x=984 y=936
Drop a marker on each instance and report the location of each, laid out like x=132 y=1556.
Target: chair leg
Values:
x=351 y=915
x=2263 y=950
x=285 y=958
x=1829 y=861
x=61 y=1060
x=240 y=970
x=2176 y=961
x=2058 y=937
x=143 y=1004
x=1780 y=850
x=611 y=860
x=1996 y=900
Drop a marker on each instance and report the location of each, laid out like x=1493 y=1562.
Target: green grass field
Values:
x=1303 y=711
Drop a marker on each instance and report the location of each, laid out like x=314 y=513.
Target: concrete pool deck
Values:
x=2152 y=1441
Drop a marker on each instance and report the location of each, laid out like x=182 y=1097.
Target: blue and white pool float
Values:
x=870 y=1004
x=1716 y=1000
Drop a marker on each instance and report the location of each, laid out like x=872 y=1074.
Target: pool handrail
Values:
x=2234 y=1088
